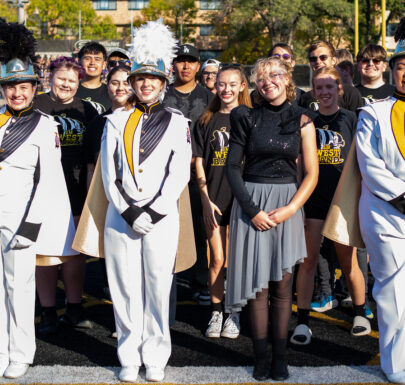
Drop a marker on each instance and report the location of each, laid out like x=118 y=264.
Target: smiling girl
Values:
x=211 y=150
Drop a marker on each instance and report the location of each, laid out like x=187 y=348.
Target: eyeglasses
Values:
x=285 y=56
x=114 y=63
x=372 y=60
x=208 y=74
x=314 y=59
x=272 y=77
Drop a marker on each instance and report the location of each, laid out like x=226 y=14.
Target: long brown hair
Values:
x=215 y=105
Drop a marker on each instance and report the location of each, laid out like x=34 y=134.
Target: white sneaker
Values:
x=231 y=327
x=154 y=373
x=15 y=369
x=4 y=362
x=215 y=325
x=129 y=373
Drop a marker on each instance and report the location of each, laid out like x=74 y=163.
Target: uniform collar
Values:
x=149 y=109
x=399 y=95
x=25 y=112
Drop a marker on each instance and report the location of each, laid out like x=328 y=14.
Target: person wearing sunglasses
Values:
x=322 y=54
x=209 y=72
x=118 y=57
x=371 y=64
x=284 y=52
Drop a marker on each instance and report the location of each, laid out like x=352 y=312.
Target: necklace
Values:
x=331 y=117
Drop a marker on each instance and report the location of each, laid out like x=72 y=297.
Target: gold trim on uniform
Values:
x=129 y=133
x=398 y=125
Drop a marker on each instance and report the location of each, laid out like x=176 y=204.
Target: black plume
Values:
x=16 y=41
x=400 y=32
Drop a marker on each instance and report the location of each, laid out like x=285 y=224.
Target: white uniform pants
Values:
x=17 y=300
x=387 y=263
x=140 y=273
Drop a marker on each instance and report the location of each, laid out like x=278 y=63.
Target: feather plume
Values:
x=16 y=41
x=153 y=41
x=400 y=32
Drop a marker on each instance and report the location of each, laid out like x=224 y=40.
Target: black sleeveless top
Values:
x=268 y=139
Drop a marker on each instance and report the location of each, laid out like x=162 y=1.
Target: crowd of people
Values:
x=129 y=159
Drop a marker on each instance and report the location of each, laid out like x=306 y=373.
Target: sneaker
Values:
x=215 y=325
x=15 y=370
x=129 y=373
x=154 y=374
x=48 y=323
x=346 y=302
x=76 y=319
x=203 y=298
x=369 y=313
x=326 y=302
x=231 y=327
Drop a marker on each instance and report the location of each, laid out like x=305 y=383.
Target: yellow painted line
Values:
x=334 y=321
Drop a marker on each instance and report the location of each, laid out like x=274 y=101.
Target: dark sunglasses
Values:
x=285 y=56
x=114 y=63
x=314 y=59
x=368 y=61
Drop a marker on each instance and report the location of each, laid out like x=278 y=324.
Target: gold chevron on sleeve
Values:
x=4 y=118
x=398 y=125
x=129 y=133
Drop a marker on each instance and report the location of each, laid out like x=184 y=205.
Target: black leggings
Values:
x=280 y=312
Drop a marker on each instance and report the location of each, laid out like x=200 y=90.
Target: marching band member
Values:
x=381 y=158
x=33 y=198
x=145 y=164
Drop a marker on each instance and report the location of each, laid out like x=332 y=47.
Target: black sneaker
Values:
x=261 y=370
x=74 y=317
x=48 y=323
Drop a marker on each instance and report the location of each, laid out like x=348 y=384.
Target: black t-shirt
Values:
x=92 y=137
x=334 y=135
x=98 y=97
x=72 y=119
x=211 y=144
x=370 y=95
x=191 y=104
x=269 y=139
x=351 y=100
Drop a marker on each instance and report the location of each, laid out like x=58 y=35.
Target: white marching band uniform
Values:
x=35 y=218
x=145 y=162
x=381 y=158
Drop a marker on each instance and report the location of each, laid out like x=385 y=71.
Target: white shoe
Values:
x=302 y=335
x=4 y=362
x=396 y=378
x=155 y=374
x=15 y=369
x=129 y=373
x=215 y=325
x=231 y=327
x=361 y=326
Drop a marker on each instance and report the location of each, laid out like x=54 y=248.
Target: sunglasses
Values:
x=284 y=56
x=372 y=60
x=314 y=59
x=114 y=63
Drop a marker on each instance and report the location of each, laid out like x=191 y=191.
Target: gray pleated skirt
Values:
x=257 y=257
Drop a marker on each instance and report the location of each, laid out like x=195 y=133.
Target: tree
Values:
x=58 y=19
x=174 y=12
x=257 y=24
x=7 y=12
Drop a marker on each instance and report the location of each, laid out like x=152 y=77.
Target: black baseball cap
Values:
x=188 y=50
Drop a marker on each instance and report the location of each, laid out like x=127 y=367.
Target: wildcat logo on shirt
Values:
x=330 y=144
x=70 y=131
x=220 y=144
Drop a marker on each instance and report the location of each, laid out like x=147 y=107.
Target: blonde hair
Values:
x=215 y=104
x=265 y=66
x=333 y=72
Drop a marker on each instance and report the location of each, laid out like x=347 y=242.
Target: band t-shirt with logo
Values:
x=370 y=95
x=334 y=136
x=72 y=119
x=97 y=97
x=211 y=142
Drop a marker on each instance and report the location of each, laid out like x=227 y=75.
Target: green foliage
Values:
x=172 y=12
x=7 y=12
x=58 y=19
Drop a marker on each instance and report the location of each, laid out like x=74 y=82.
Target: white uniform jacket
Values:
x=151 y=162
x=32 y=184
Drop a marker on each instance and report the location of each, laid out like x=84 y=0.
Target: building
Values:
x=121 y=12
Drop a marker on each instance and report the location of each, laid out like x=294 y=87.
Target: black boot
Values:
x=261 y=370
x=279 y=369
x=74 y=317
x=49 y=321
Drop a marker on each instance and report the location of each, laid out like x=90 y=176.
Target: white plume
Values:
x=153 y=41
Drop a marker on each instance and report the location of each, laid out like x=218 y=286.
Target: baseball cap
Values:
x=188 y=50
x=211 y=62
x=121 y=51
